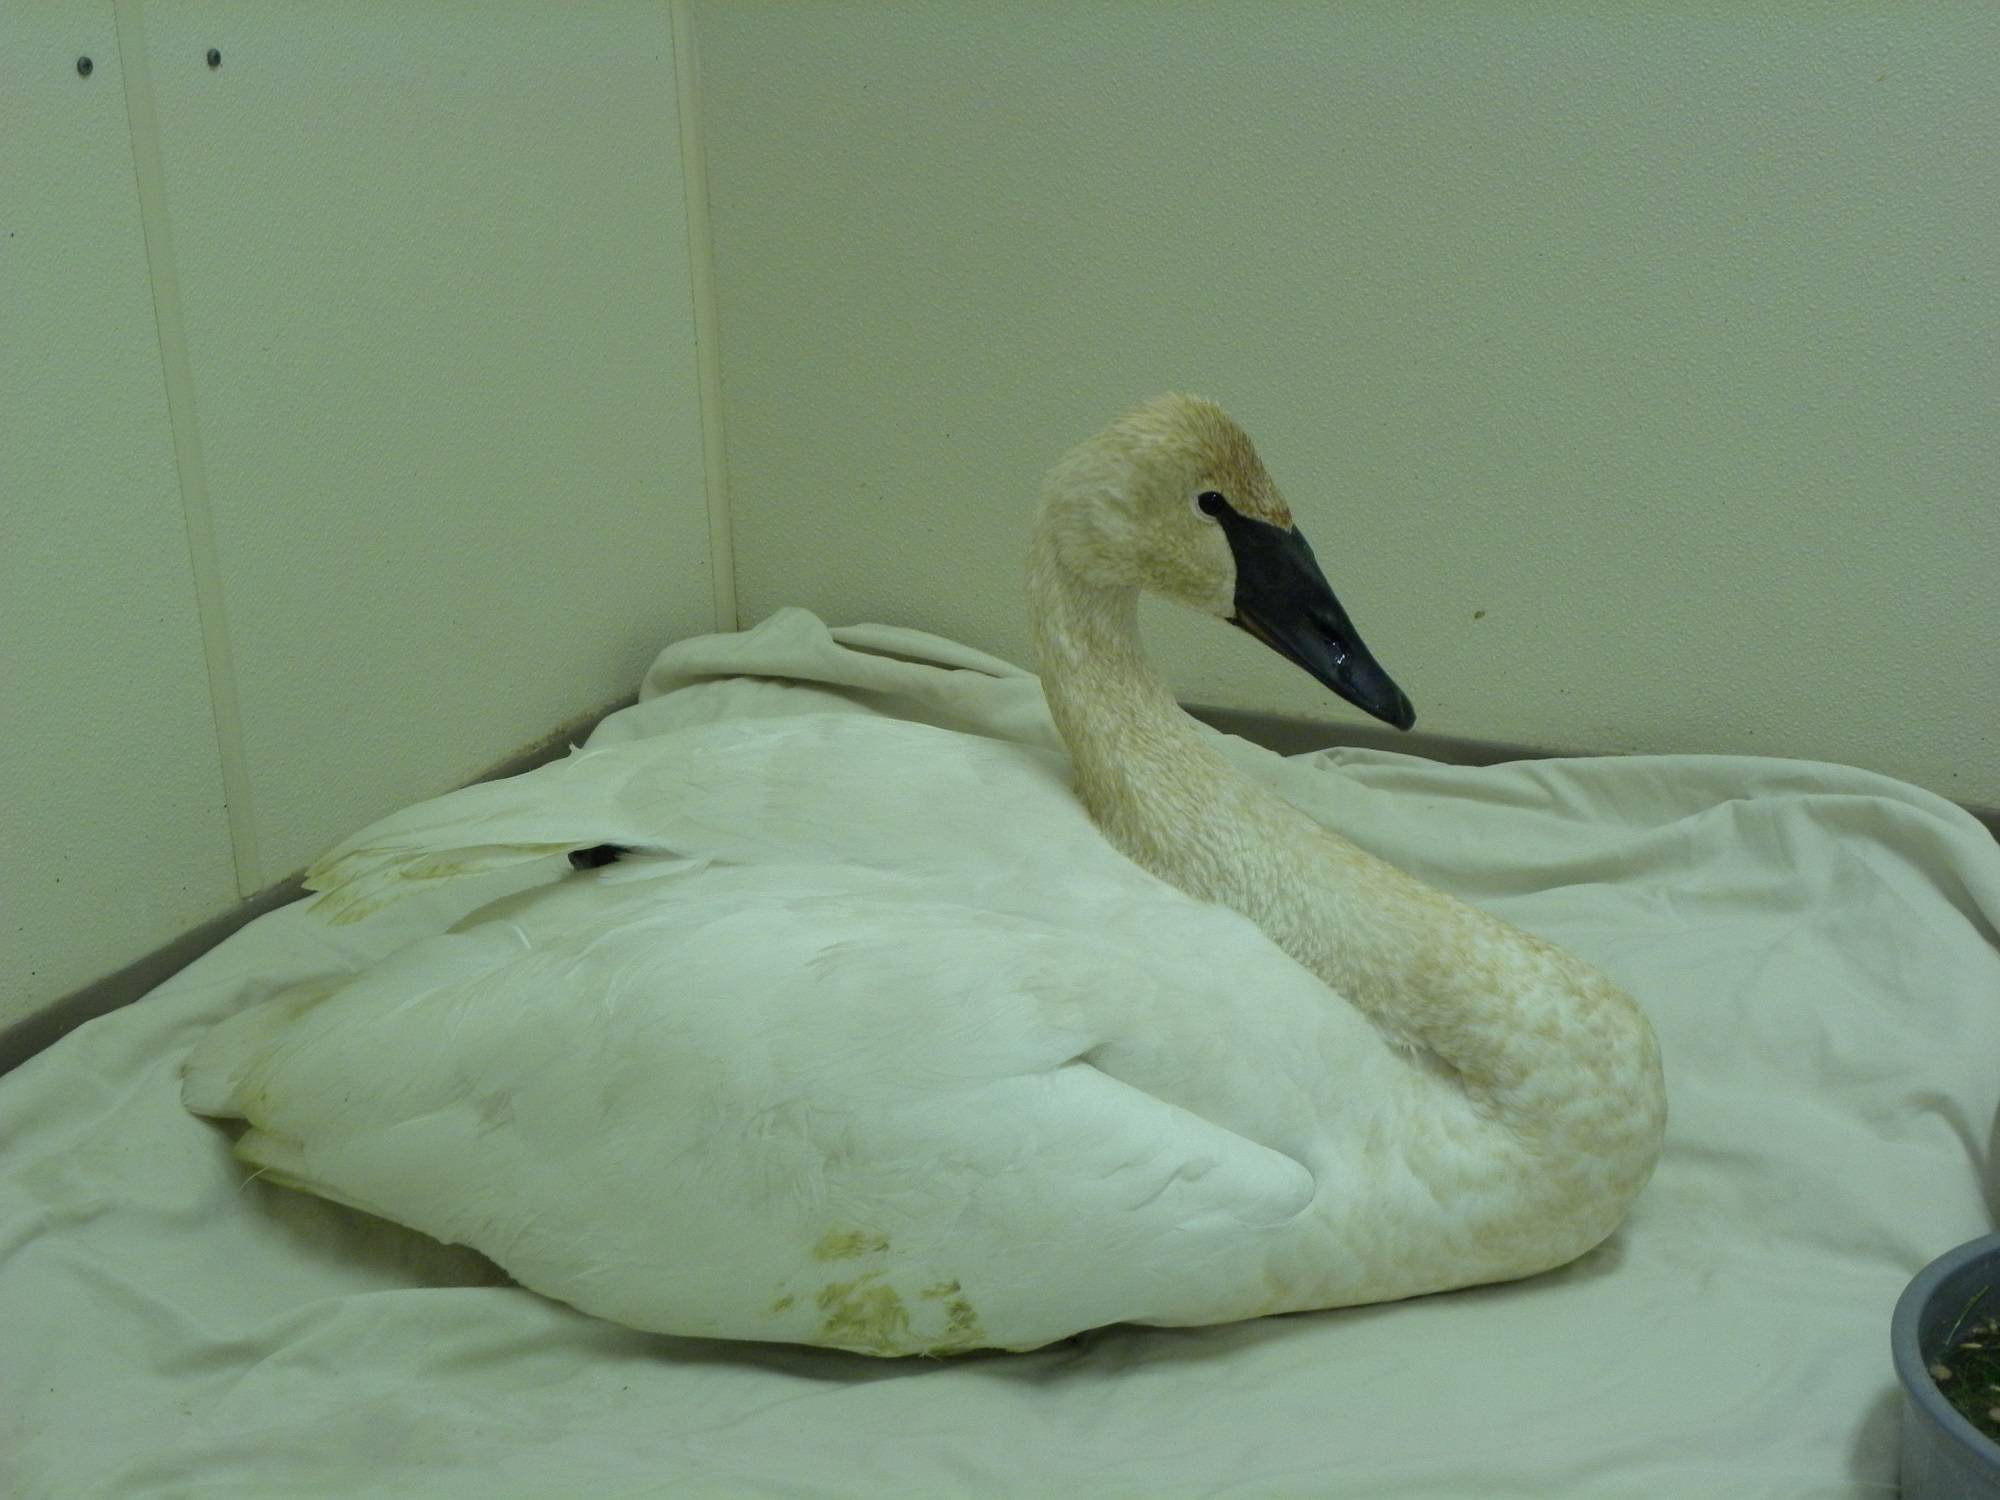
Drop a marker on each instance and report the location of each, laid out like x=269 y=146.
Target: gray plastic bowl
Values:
x=1944 y=1456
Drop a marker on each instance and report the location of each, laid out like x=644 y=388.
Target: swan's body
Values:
x=874 y=1041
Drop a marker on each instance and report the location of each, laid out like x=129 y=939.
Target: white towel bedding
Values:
x=1816 y=945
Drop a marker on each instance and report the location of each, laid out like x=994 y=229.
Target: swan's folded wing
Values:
x=832 y=788
x=781 y=1117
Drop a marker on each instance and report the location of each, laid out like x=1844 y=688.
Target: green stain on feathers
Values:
x=867 y=1317
x=962 y=1330
x=849 y=1244
x=863 y=1316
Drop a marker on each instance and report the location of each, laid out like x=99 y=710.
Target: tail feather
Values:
x=361 y=882
x=284 y=1163
x=558 y=808
x=218 y=1076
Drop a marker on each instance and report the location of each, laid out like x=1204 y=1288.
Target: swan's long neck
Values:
x=1143 y=768
x=1165 y=796
x=1541 y=1042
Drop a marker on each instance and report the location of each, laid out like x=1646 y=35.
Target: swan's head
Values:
x=1172 y=498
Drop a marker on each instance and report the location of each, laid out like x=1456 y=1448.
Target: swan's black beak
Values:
x=1284 y=600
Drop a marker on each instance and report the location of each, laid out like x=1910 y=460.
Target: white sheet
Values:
x=1816 y=945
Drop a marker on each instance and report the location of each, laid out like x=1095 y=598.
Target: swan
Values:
x=893 y=1039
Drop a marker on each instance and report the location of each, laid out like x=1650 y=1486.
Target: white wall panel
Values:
x=350 y=435
x=1632 y=368
x=111 y=821
x=432 y=264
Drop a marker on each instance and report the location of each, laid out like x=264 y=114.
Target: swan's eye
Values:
x=1211 y=503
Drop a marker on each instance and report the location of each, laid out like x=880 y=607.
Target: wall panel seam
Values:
x=701 y=287
x=178 y=374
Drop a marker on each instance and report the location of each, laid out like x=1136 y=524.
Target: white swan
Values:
x=873 y=1041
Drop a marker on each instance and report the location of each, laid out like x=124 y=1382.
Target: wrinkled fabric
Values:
x=1816 y=946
